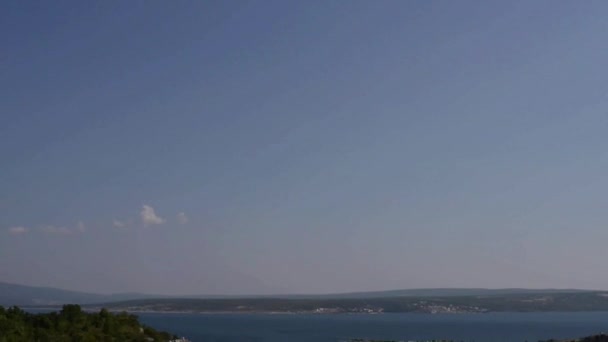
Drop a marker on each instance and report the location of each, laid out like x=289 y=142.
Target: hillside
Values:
x=22 y=295
x=395 y=300
x=438 y=292
x=73 y=324
x=526 y=302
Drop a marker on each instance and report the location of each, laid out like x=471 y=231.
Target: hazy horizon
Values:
x=306 y=294
x=303 y=147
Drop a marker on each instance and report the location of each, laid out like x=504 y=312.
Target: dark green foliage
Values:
x=596 y=338
x=72 y=324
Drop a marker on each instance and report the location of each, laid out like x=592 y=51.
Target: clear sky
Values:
x=241 y=147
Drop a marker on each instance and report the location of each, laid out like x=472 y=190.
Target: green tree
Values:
x=72 y=324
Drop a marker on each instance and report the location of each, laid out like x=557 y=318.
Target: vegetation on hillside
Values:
x=73 y=324
x=595 y=338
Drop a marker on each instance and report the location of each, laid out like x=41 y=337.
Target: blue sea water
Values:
x=491 y=327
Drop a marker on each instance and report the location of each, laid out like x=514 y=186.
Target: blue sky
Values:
x=303 y=147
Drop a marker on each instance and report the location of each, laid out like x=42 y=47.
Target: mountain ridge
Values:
x=26 y=295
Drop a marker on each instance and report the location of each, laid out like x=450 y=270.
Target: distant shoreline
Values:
x=285 y=313
x=469 y=304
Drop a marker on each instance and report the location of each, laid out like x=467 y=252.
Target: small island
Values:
x=74 y=324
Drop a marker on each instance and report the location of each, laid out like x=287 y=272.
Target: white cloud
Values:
x=17 y=230
x=55 y=230
x=118 y=224
x=182 y=218
x=81 y=227
x=148 y=216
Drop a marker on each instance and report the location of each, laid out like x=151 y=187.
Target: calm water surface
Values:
x=493 y=327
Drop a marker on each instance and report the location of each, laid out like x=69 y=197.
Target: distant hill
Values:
x=21 y=295
x=430 y=292
x=509 y=302
x=436 y=292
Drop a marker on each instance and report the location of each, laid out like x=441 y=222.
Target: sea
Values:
x=487 y=327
